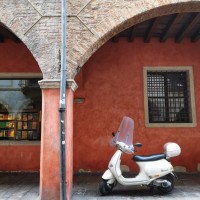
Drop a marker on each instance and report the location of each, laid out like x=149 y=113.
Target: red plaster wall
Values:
x=15 y=57
x=112 y=84
x=19 y=158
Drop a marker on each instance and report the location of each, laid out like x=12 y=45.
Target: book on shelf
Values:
x=24 y=116
x=24 y=125
x=10 y=125
x=29 y=125
x=11 y=116
x=35 y=116
x=34 y=125
x=5 y=133
x=11 y=133
x=19 y=125
x=2 y=133
x=5 y=116
x=35 y=135
x=24 y=135
x=3 y=124
x=19 y=116
x=1 y=116
x=30 y=135
x=30 y=116
x=18 y=135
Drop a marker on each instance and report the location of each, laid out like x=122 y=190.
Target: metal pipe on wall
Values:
x=63 y=103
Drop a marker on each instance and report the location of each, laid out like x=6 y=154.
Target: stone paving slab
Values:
x=86 y=187
x=19 y=186
x=25 y=186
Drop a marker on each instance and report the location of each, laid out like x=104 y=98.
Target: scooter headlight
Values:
x=129 y=149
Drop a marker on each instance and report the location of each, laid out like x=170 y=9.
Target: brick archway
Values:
x=95 y=22
x=90 y=24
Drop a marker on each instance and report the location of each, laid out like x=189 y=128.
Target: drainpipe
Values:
x=63 y=103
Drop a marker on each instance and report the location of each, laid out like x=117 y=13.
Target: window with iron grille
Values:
x=168 y=96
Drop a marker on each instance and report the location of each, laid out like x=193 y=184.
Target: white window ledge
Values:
x=19 y=143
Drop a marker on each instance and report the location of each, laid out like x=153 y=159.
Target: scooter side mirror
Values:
x=138 y=144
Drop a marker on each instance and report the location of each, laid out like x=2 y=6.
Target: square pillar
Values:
x=50 y=140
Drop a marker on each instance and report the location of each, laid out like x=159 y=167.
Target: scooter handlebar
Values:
x=138 y=144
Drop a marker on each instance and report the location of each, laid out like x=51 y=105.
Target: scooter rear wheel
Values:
x=105 y=188
x=166 y=190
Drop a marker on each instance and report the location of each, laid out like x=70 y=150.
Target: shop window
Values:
x=169 y=97
x=20 y=109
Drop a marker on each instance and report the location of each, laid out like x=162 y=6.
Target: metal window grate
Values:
x=167 y=97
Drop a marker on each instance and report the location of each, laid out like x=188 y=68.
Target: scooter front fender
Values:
x=108 y=176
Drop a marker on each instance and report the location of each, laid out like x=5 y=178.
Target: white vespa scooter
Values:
x=155 y=171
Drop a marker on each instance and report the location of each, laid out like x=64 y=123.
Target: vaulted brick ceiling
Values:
x=177 y=26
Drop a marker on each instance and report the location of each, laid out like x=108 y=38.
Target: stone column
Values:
x=50 y=139
x=71 y=88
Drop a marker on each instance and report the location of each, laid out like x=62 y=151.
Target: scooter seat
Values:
x=152 y=157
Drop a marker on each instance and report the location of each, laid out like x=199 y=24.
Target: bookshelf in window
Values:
x=7 y=126
x=23 y=125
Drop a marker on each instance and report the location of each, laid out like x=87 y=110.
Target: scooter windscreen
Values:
x=125 y=131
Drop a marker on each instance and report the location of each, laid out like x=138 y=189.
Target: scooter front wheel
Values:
x=105 y=188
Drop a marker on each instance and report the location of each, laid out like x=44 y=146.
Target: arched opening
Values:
x=116 y=80
x=20 y=108
x=124 y=16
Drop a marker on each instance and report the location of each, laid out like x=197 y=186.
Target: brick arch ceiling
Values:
x=91 y=23
x=37 y=24
x=100 y=20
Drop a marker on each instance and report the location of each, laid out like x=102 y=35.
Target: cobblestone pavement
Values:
x=86 y=187
x=25 y=186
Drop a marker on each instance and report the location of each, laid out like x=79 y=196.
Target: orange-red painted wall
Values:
x=15 y=57
x=20 y=158
x=112 y=84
